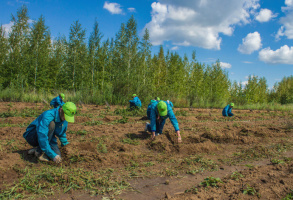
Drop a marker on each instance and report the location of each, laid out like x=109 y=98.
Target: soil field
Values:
x=110 y=156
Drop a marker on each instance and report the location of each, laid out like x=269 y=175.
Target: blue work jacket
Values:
x=57 y=101
x=41 y=127
x=136 y=101
x=149 y=109
x=154 y=115
x=227 y=110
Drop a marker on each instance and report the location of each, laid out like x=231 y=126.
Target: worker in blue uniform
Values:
x=159 y=112
x=42 y=132
x=58 y=101
x=135 y=103
x=227 y=111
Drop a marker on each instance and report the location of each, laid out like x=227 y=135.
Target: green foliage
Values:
x=44 y=182
x=80 y=132
x=249 y=190
x=130 y=141
x=289 y=196
x=211 y=181
x=96 y=71
x=101 y=147
x=92 y=123
x=277 y=162
x=236 y=175
x=124 y=120
x=149 y=164
x=192 y=190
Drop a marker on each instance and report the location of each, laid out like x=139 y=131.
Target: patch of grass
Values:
x=8 y=114
x=289 y=196
x=250 y=191
x=249 y=166
x=236 y=176
x=170 y=172
x=124 y=120
x=148 y=164
x=131 y=141
x=199 y=164
x=236 y=125
x=76 y=158
x=211 y=181
x=137 y=112
x=43 y=182
x=192 y=190
x=101 y=147
x=181 y=113
x=80 y=132
x=92 y=123
x=89 y=115
x=132 y=165
x=277 y=162
x=14 y=125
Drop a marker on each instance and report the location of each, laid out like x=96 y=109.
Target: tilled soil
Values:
x=255 y=146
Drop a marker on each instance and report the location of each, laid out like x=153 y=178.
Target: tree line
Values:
x=112 y=69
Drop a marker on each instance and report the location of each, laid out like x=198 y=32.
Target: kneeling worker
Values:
x=227 y=111
x=58 y=101
x=159 y=112
x=42 y=132
x=135 y=103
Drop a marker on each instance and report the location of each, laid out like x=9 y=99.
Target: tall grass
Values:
x=83 y=96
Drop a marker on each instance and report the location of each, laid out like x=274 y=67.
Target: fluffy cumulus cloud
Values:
x=265 y=15
x=286 y=28
x=198 y=22
x=284 y=55
x=251 y=43
x=225 y=65
x=113 y=8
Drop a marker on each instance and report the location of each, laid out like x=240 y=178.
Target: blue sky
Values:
x=249 y=37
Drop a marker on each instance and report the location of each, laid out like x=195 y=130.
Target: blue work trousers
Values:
x=32 y=139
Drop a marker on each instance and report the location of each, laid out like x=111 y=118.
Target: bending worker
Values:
x=159 y=112
x=227 y=111
x=42 y=132
x=58 y=101
x=150 y=108
x=135 y=103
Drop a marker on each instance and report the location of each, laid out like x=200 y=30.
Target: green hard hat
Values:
x=232 y=104
x=134 y=95
x=162 y=108
x=62 y=95
x=69 y=110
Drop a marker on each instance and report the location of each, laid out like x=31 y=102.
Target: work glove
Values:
x=57 y=159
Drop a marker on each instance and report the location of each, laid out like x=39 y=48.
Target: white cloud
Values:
x=225 y=65
x=251 y=43
x=174 y=48
x=131 y=9
x=244 y=83
x=286 y=28
x=284 y=55
x=197 y=22
x=252 y=76
x=7 y=28
x=247 y=62
x=113 y=8
x=289 y=2
x=265 y=15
